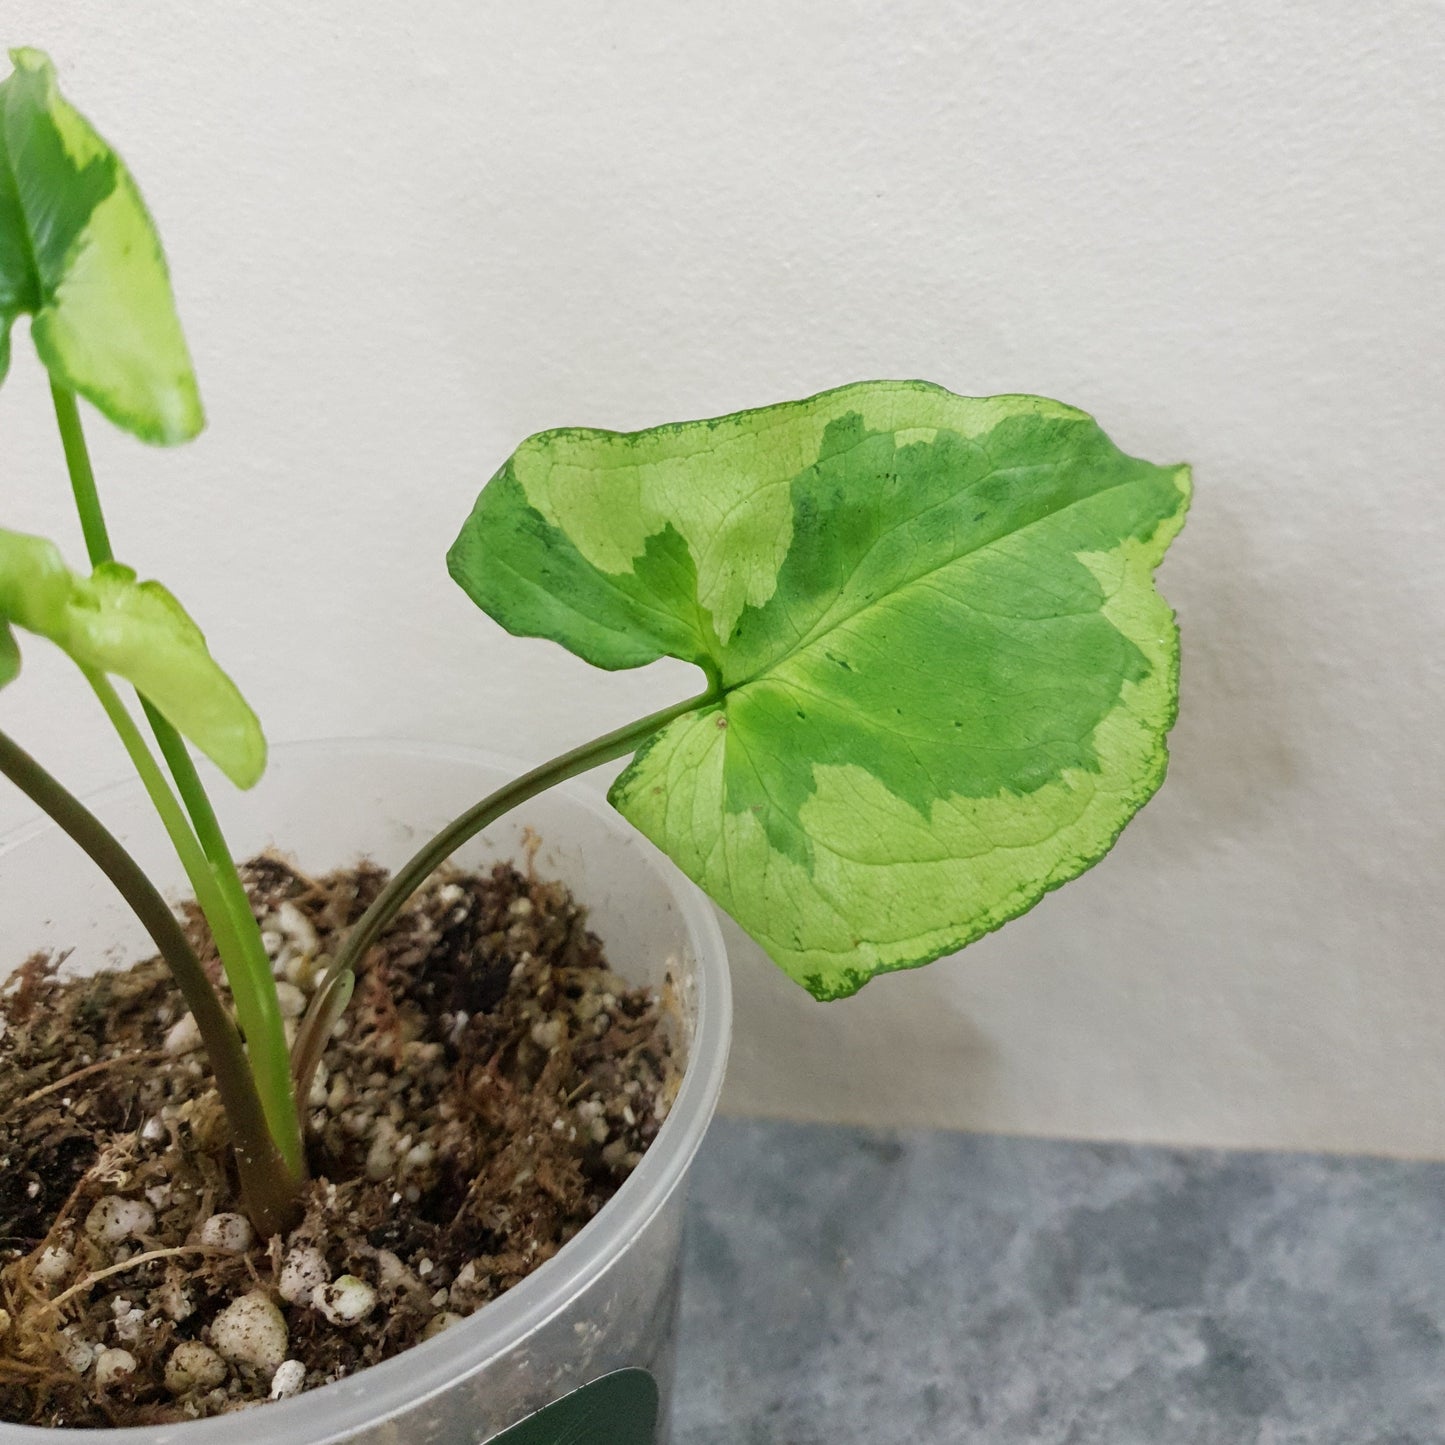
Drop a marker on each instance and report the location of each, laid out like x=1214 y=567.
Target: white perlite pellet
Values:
x=290 y=1376
x=548 y=1033
x=251 y=1331
x=419 y=1156
x=183 y=1036
x=194 y=1366
x=291 y=1000
x=228 y=1231
x=345 y=1300
x=114 y=1219
x=393 y=1276
x=80 y=1355
x=297 y=928
x=381 y=1156
x=52 y=1266
x=438 y=1323
x=110 y=1365
x=129 y=1320
x=303 y=1272
x=175 y=1299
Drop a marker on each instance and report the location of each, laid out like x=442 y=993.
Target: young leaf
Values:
x=111 y=623
x=79 y=252
x=942 y=675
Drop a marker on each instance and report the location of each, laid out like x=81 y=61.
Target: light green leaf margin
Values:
x=942 y=677
x=79 y=252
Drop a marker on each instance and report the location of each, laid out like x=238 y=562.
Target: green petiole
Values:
x=310 y=1040
x=268 y=1184
x=82 y=475
x=199 y=842
x=249 y=975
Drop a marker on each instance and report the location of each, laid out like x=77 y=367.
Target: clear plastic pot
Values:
x=605 y=1301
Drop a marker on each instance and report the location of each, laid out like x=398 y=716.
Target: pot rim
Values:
x=373 y=1395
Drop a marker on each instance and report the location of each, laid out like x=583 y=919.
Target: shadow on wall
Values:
x=852 y=1061
x=1249 y=689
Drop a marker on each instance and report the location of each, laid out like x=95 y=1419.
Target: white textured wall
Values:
x=405 y=236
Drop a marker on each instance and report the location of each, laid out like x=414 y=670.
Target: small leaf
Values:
x=111 y=623
x=78 y=251
x=942 y=675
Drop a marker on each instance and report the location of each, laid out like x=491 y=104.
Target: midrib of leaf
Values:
x=828 y=624
x=721 y=691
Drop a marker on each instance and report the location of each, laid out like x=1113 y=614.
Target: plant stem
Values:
x=247 y=931
x=98 y=548
x=267 y=1184
x=411 y=875
x=227 y=909
x=82 y=476
x=252 y=985
x=192 y=790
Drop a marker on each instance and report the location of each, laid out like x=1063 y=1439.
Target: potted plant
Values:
x=937 y=680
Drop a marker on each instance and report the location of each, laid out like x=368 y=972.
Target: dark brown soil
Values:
x=489 y=1088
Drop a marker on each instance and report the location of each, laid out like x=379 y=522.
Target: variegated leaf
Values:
x=79 y=253
x=942 y=676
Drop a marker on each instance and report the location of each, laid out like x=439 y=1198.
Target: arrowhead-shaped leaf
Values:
x=943 y=677
x=109 y=622
x=78 y=251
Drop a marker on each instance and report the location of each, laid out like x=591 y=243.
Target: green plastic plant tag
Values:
x=618 y=1409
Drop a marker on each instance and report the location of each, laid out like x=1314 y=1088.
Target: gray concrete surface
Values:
x=849 y=1285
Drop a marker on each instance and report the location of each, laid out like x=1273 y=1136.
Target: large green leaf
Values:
x=78 y=251
x=942 y=675
x=110 y=622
